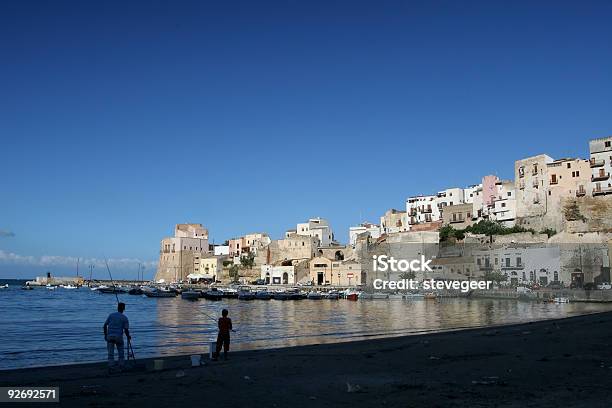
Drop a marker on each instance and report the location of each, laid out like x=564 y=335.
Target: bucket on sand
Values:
x=212 y=347
x=196 y=360
x=158 y=365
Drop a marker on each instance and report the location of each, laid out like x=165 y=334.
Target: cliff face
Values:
x=588 y=214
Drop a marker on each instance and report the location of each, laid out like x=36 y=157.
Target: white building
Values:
x=422 y=209
x=522 y=264
x=220 y=250
x=316 y=227
x=504 y=205
x=601 y=165
x=372 y=229
x=470 y=192
x=278 y=275
x=450 y=196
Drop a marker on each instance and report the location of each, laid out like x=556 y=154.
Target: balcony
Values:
x=602 y=191
x=426 y=210
x=554 y=181
x=457 y=221
x=597 y=163
x=600 y=177
x=580 y=193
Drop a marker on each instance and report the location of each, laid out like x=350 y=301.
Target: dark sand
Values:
x=557 y=363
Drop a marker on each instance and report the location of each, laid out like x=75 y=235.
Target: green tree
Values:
x=247 y=262
x=234 y=273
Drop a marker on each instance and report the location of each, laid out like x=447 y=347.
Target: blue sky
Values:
x=120 y=119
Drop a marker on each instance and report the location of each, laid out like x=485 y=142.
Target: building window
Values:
x=518 y=261
x=607 y=143
x=507 y=262
x=569 y=165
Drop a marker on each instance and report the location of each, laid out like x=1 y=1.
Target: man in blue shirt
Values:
x=114 y=327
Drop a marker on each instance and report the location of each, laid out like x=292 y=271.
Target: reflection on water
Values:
x=42 y=327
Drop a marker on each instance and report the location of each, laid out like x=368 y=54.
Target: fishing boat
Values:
x=333 y=295
x=191 y=295
x=561 y=300
x=213 y=294
x=160 y=293
x=230 y=293
x=281 y=295
x=112 y=289
x=314 y=295
x=351 y=295
x=263 y=295
x=49 y=287
x=246 y=294
x=5 y=286
x=68 y=287
x=430 y=295
x=27 y=287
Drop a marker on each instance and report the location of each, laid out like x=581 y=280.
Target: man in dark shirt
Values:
x=223 y=338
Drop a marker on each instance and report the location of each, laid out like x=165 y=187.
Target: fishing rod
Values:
x=112 y=281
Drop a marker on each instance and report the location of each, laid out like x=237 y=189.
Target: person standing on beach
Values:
x=223 y=338
x=116 y=324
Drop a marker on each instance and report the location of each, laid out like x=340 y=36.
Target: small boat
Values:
x=51 y=287
x=430 y=295
x=314 y=296
x=263 y=295
x=352 y=295
x=281 y=296
x=5 y=286
x=68 y=287
x=230 y=293
x=160 y=293
x=333 y=295
x=191 y=295
x=246 y=295
x=213 y=294
x=561 y=300
x=112 y=289
x=27 y=287
x=412 y=295
x=135 y=291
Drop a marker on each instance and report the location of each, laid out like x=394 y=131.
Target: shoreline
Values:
x=552 y=361
x=364 y=338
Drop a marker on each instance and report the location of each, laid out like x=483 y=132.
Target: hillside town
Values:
x=551 y=225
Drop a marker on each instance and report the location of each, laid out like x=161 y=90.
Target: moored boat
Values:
x=314 y=295
x=263 y=295
x=112 y=289
x=246 y=294
x=191 y=295
x=135 y=291
x=430 y=295
x=5 y=286
x=27 y=287
x=160 y=293
x=333 y=295
x=230 y=293
x=213 y=294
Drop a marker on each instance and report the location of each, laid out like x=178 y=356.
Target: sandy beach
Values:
x=564 y=362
